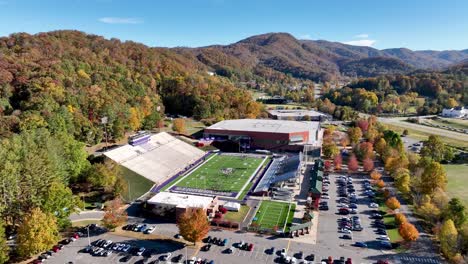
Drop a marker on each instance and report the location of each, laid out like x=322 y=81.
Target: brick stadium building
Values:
x=266 y=134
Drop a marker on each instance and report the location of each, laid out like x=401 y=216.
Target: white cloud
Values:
x=120 y=20
x=361 y=42
x=305 y=36
x=362 y=36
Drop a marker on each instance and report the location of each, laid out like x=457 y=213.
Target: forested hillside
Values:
x=397 y=93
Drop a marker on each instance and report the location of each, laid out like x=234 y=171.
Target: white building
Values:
x=172 y=205
x=456 y=112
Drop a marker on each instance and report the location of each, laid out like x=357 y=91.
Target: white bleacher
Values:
x=158 y=159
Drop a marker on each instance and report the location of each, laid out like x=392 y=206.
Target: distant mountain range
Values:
x=317 y=59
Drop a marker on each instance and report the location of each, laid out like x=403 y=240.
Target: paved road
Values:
x=86 y=215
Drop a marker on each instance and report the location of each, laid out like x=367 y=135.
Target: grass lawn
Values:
x=137 y=185
x=271 y=214
x=237 y=216
x=457 y=176
x=193 y=127
x=222 y=173
x=392 y=229
x=420 y=135
x=450 y=122
x=389 y=220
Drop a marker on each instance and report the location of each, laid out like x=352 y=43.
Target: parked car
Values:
x=167 y=256
x=225 y=242
x=251 y=247
x=360 y=244
x=346 y=236
x=373 y=205
x=140 y=251
x=206 y=247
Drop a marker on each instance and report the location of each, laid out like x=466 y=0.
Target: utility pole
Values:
x=104 y=121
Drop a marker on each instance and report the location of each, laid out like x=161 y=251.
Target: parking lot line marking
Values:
x=289 y=243
x=196 y=252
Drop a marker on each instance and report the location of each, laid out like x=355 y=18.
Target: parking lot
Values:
x=329 y=240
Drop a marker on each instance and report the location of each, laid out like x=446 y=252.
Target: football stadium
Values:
x=222 y=174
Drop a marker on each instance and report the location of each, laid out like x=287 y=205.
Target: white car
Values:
x=353 y=211
x=150 y=230
x=167 y=256
x=126 y=248
x=383 y=237
x=140 y=251
x=342 y=205
x=193 y=260
x=373 y=205
x=325 y=197
x=345 y=231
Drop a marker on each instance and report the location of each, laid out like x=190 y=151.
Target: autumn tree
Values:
x=456 y=211
x=368 y=164
x=392 y=203
x=337 y=162
x=364 y=150
x=375 y=175
x=408 y=231
x=354 y=134
x=114 y=214
x=400 y=218
x=430 y=212
x=434 y=148
x=327 y=165
x=363 y=125
x=448 y=239
x=353 y=165
x=402 y=180
x=344 y=141
x=380 y=146
x=4 y=248
x=104 y=175
x=193 y=224
x=329 y=149
x=37 y=232
x=380 y=184
x=433 y=176
x=179 y=125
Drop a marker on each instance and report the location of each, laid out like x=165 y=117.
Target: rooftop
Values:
x=265 y=125
x=181 y=200
x=297 y=112
x=158 y=159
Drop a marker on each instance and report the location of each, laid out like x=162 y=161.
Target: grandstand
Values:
x=281 y=169
x=158 y=159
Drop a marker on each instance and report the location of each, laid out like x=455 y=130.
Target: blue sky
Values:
x=415 y=24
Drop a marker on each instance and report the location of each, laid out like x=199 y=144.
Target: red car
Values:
x=75 y=235
x=251 y=247
x=349 y=261
x=330 y=260
x=382 y=261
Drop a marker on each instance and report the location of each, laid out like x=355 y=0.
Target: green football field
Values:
x=271 y=214
x=224 y=173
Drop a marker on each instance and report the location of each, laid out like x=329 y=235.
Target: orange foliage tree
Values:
x=375 y=175
x=353 y=163
x=400 y=219
x=193 y=225
x=114 y=214
x=408 y=231
x=380 y=184
x=392 y=203
x=368 y=164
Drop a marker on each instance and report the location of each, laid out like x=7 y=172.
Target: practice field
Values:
x=457 y=179
x=223 y=173
x=271 y=214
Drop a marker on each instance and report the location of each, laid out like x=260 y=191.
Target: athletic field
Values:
x=222 y=173
x=271 y=214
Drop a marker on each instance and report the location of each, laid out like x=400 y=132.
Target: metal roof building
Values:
x=266 y=133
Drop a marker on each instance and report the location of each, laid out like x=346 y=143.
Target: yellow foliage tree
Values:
x=375 y=175
x=179 y=125
x=37 y=232
x=448 y=238
x=135 y=119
